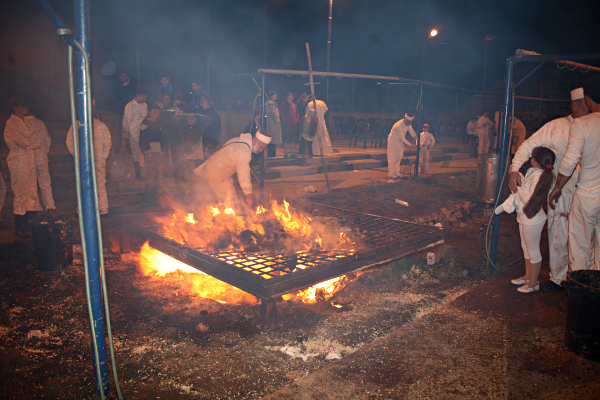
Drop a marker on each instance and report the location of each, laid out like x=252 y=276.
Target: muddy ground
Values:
x=170 y=344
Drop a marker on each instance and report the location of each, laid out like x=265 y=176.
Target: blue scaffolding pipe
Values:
x=510 y=63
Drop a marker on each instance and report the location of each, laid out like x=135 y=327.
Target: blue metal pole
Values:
x=502 y=162
x=82 y=17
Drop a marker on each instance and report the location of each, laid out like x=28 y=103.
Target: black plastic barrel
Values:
x=583 y=314
x=52 y=239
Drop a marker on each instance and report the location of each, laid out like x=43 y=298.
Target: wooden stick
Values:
x=312 y=91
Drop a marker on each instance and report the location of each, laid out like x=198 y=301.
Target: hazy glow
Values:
x=433 y=33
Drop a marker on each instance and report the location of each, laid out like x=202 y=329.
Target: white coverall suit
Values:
x=555 y=136
x=102 y=145
x=584 y=219
x=530 y=229
x=21 y=164
x=395 y=148
x=321 y=128
x=484 y=127
x=427 y=142
x=41 y=160
x=132 y=119
x=233 y=157
x=3 y=190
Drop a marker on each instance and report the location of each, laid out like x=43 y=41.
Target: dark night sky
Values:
x=369 y=37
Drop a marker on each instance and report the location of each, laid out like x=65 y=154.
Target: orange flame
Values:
x=220 y=228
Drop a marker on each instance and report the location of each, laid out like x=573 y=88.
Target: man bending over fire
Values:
x=233 y=157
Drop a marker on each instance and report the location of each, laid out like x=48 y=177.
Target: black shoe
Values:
x=550 y=286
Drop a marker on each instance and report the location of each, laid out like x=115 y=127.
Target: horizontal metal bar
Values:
x=324 y=74
x=560 y=59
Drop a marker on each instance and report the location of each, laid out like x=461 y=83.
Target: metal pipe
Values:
x=263 y=127
x=324 y=74
x=533 y=71
x=521 y=53
x=419 y=133
x=82 y=16
x=328 y=53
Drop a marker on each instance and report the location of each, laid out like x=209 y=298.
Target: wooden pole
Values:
x=312 y=92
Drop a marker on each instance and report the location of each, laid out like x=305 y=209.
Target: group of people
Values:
x=486 y=129
x=565 y=173
x=300 y=123
x=27 y=138
x=397 y=143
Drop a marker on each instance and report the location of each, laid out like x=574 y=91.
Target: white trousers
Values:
x=584 y=227
x=395 y=152
x=558 y=238
x=530 y=241
x=135 y=146
x=424 y=159
x=484 y=142
x=43 y=180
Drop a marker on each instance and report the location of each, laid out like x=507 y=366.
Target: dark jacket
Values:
x=151 y=132
x=212 y=135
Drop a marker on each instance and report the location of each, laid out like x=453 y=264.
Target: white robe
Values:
x=41 y=160
x=102 y=145
x=132 y=119
x=321 y=128
x=21 y=164
x=234 y=157
x=395 y=148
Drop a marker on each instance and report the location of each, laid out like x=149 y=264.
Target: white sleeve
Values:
x=70 y=139
x=432 y=140
x=127 y=117
x=574 y=149
x=524 y=151
x=412 y=131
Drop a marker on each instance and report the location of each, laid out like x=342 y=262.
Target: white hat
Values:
x=263 y=138
x=577 y=94
x=408 y=118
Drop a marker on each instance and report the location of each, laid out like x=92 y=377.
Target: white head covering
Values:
x=577 y=94
x=263 y=138
x=408 y=118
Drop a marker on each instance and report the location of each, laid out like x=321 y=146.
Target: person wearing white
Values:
x=527 y=200
x=483 y=129
x=555 y=136
x=519 y=134
x=396 y=144
x=471 y=127
x=427 y=142
x=321 y=126
x=234 y=157
x=102 y=145
x=584 y=217
x=22 y=142
x=41 y=160
x=135 y=112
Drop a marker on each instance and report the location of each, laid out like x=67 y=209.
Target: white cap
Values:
x=408 y=118
x=577 y=94
x=263 y=138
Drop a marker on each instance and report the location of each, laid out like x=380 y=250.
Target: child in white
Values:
x=427 y=142
x=527 y=201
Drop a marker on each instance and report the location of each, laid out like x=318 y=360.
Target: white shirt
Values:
x=133 y=116
x=427 y=139
x=483 y=125
x=584 y=148
x=40 y=131
x=553 y=135
x=517 y=201
x=399 y=130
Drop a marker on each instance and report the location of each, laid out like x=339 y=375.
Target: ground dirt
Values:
x=170 y=344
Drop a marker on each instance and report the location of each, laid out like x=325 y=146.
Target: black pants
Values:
x=305 y=144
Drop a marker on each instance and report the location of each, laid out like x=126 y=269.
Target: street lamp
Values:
x=433 y=33
x=486 y=40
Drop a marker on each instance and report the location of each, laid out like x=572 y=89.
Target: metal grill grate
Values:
x=271 y=274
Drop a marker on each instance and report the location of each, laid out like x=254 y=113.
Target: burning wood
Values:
x=248 y=239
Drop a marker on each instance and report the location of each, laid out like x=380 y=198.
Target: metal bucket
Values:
x=487 y=177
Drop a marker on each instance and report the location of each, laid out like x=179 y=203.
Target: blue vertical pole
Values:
x=82 y=17
x=502 y=162
x=263 y=122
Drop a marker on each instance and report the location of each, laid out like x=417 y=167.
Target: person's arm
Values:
x=126 y=118
x=22 y=135
x=412 y=132
x=556 y=192
x=569 y=161
x=105 y=139
x=243 y=170
x=70 y=139
x=538 y=139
